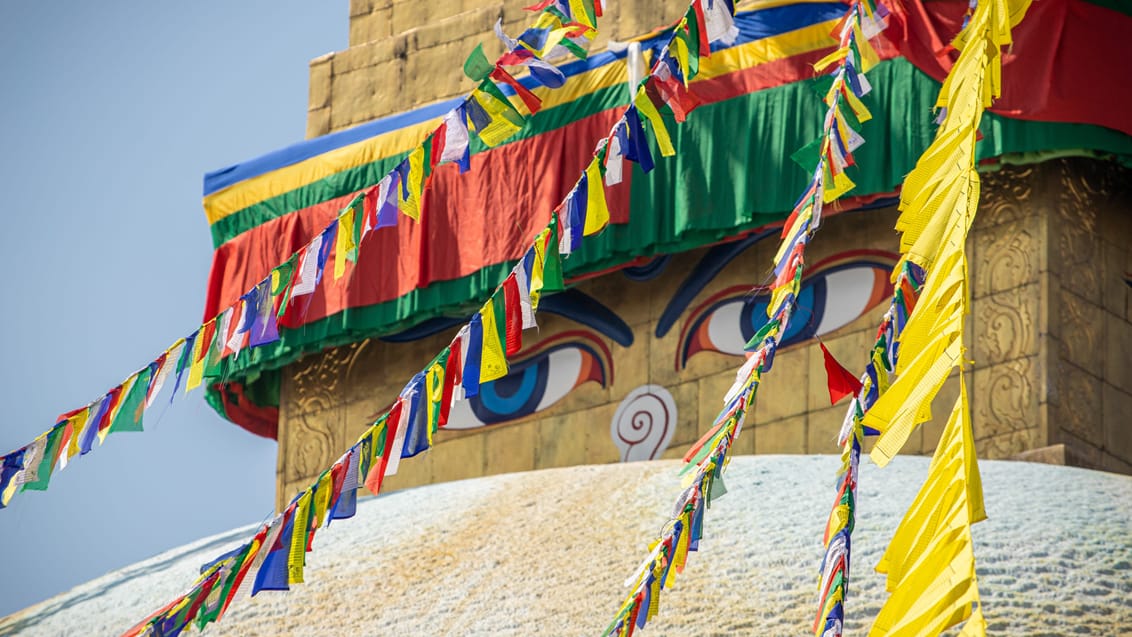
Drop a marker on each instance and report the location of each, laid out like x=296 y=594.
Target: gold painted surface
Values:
x=1051 y=317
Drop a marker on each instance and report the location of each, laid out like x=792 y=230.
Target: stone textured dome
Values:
x=546 y=553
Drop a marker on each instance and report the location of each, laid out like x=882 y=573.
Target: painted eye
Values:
x=545 y=376
x=836 y=292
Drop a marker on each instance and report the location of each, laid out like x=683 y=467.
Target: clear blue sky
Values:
x=111 y=113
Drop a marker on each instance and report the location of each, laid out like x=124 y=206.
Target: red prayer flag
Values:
x=514 y=318
x=842 y=383
x=377 y=472
x=701 y=27
x=530 y=99
x=439 y=136
x=452 y=376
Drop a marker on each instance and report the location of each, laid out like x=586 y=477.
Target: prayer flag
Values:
x=456 y=138
x=514 y=315
x=522 y=274
x=597 y=211
x=52 y=448
x=532 y=102
x=494 y=361
x=633 y=141
x=470 y=375
x=129 y=413
x=272 y=575
x=660 y=131
x=841 y=381
x=477 y=67
x=344 y=244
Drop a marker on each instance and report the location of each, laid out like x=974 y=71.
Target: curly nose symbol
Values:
x=644 y=423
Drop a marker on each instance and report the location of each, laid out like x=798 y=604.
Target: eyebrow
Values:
x=571 y=304
x=704 y=272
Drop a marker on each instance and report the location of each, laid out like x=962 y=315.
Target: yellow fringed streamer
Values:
x=832 y=58
x=930 y=562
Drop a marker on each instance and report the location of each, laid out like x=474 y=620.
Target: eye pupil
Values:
x=514 y=395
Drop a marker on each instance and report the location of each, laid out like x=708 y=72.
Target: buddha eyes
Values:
x=538 y=381
x=837 y=291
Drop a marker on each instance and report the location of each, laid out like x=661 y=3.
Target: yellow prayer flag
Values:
x=493 y=361
x=538 y=267
x=858 y=107
x=343 y=241
x=411 y=206
x=578 y=8
x=679 y=50
x=597 y=211
x=297 y=556
x=434 y=387
x=835 y=56
x=646 y=108
x=196 y=360
x=500 y=127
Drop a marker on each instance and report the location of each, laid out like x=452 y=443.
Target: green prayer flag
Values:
x=499 y=306
x=808 y=156
x=552 y=280
x=129 y=416
x=281 y=284
x=47 y=465
x=691 y=39
x=477 y=67
x=718 y=489
x=761 y=335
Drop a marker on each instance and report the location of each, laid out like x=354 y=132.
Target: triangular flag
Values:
x=841 y=381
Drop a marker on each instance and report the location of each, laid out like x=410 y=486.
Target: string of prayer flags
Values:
x=275 y=557
x=254 y=319
x=833 y=583
x=709 y=454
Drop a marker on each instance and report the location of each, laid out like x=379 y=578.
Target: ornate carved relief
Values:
x=1080 y=410
x=1080 y=331
x=1005 y=399
x=1006 y=195
x=317 y=381
x=1005 y=326
x=317 y=386
x=1083 y=188
x=1006 y=257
